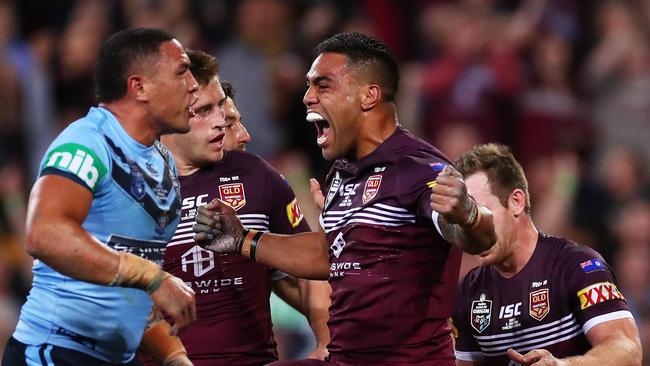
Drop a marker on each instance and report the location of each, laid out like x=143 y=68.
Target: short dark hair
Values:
x=117 y=56
x=369 y=53
x=228 y=89
x=498 y=163
x=203 y=66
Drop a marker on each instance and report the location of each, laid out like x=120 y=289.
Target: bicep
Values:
x=619 y=329
x=56 y=198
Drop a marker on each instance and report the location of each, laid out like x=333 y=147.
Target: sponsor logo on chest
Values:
x=480 y=313
x=539 y=304
x=233 y=194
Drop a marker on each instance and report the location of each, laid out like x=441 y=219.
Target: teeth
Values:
x=313 y=117
x=320 y=140
x=191 y=110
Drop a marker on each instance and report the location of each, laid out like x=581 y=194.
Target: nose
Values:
x=244 y=136
x=192 y=84
x=310 y=97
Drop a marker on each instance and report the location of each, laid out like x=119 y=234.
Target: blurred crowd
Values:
x=566 y=83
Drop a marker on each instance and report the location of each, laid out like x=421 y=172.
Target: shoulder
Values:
x=569 y=255
x=253 y=166
x=417 y=156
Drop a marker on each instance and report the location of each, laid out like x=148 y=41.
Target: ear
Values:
x=370 y=97
x=517 y=202
x=135 y=86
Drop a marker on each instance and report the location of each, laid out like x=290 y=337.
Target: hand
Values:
x=316 y=194
x=536 y=357
x=449 y=196
x=180 y=360
x=176 y=300
x=320 y=353
x=217 y=227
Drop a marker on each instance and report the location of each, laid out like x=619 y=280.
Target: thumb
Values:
x=515 y=356
x=316 y=193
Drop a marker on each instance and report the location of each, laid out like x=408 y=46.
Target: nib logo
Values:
x=78 y=160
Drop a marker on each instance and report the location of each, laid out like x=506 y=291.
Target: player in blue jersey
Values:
x=102 y=210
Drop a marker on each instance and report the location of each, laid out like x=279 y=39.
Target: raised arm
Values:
x=462 y=221
x=57 y=208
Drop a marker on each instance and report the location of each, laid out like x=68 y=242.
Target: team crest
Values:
x=481 y=312
x=233 y=194
x=371 y=188
x=294 y=213
x=539 y=305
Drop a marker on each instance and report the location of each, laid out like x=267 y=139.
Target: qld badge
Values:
x=371 y=189
x=233 y=194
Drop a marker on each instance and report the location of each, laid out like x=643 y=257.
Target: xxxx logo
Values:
x=597 y=293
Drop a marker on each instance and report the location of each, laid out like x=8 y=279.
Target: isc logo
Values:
x=194 y=201
x=509 y=311
x=78 y=160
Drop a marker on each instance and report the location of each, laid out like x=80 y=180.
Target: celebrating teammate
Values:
x=394 y=206
x=536 y=299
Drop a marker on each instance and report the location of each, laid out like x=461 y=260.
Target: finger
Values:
x=449 y=181
x=515 y=356
x=451 y=172
x=443 y=191
x=205 y=220
x=201 y=228
x=202 y=237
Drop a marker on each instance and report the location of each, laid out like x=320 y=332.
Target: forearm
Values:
x=316 y=301
x=472 y=240
x=65 y=246
x=301 y=255
x=287 y=289
x=620 y=351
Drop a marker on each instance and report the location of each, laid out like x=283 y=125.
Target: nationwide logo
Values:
x=597 y=293
x=294 y=213
x=233 y=194
x=78 y=160
x=372 y=188
x=200 y=259
x=539 y=305
x=481 y=313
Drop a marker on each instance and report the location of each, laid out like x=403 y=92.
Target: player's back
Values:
x=135 y=208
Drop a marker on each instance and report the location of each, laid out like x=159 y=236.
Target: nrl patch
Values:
x=480 y=313
x=294 y=213
x=233 y=194
x=539 y=305
x=371 y=189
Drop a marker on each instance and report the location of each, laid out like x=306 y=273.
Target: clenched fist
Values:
x=450 y=199
x=218 y=228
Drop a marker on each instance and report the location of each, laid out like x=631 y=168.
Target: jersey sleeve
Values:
x=592 y=288
x=416 y=177
x=286 y=214
x=465 y=346
x=79 y=154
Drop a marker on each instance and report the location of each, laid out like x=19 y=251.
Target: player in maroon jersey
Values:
x=233 y=324
x=536 y=299
x=236 y=133
x=394 y=214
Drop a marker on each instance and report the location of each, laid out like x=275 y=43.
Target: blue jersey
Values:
x=135 y=208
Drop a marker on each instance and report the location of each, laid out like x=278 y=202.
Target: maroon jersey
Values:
x=393 y=276
x=563 y=291
x=233 y=325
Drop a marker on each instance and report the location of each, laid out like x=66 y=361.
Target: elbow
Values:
x=33 y=244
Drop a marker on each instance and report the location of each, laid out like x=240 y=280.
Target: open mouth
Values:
x=190 y=110
x=217 y=141
x=322 y=127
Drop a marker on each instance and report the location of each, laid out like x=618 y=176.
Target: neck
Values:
x=521 y=248
x=185 y=168
x=134 y=120
x=376 y=126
